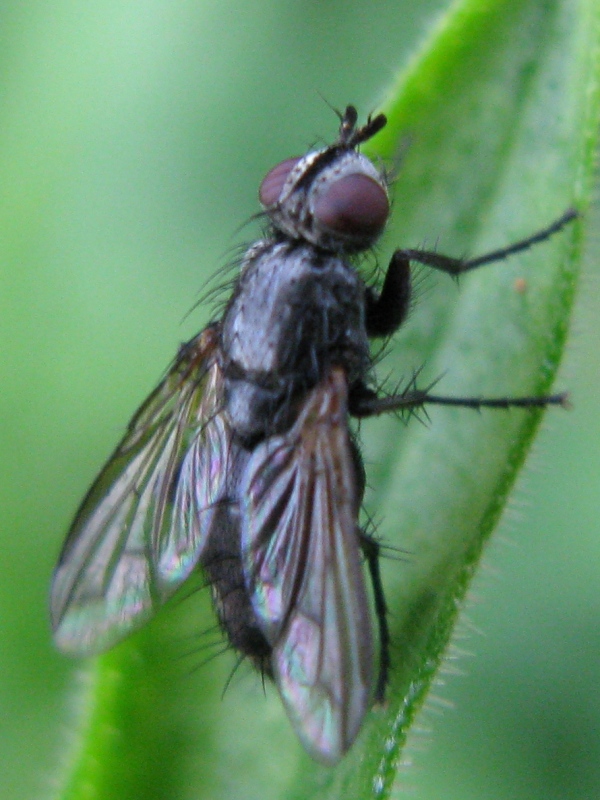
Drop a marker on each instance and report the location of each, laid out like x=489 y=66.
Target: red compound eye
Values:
x=270 y=188
x=355 y=205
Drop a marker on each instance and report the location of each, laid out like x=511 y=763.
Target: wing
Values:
x=143 y=523
x=304 y=574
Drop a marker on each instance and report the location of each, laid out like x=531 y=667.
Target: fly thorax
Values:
x=295 y=312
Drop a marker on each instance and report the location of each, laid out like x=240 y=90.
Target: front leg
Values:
x=384 y=313
x=458 y=266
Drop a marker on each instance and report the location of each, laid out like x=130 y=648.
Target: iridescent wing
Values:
x=143 y=524
x=301 y=552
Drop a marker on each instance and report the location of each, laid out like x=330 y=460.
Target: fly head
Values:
x=334 y=198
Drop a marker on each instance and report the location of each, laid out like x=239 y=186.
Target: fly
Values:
x=241 y=462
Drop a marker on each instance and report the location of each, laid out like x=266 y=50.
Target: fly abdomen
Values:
x=222 y=564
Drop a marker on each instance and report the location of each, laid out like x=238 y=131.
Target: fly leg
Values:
x=364 y=402
x=371 y=552
x=458 y=266
x=385 y=312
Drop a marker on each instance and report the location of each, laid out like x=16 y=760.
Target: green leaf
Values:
x=501 y=116
x=494 y=125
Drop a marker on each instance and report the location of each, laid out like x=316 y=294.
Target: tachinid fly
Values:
x=242 y=461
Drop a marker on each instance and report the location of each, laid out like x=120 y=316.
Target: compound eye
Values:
x=270 y=188
x=354 y=205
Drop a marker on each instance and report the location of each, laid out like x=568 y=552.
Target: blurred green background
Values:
x=133 y=137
